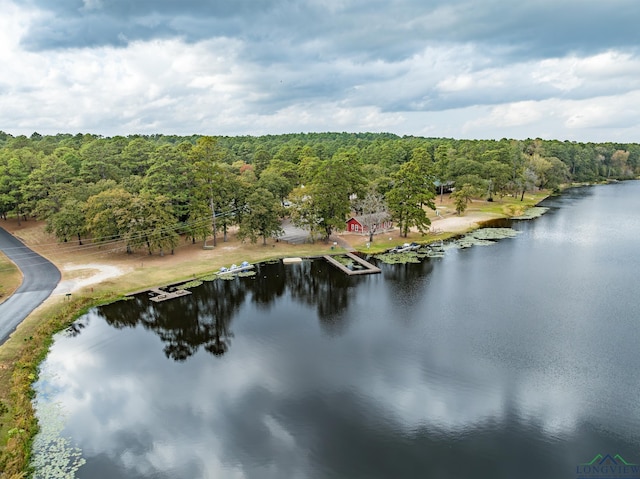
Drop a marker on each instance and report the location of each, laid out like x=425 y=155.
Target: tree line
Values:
x=147 y=191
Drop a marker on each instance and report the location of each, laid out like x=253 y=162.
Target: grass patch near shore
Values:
x=508 y=206
x=11 y=278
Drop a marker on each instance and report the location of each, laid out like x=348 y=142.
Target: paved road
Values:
x=293 y=234
x=40 y=277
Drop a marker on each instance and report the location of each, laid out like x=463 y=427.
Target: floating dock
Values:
x=164 y=295
x=291 y=260
x=158 y=294
x=368 y=267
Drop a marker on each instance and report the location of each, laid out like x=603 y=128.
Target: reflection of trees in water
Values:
x=405 y=284
x=319 y=284
x=184 y=324
x=400 y=275
x=268 y=284
x=202 y=319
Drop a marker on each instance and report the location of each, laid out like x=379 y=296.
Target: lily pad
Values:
x=191 y=284
x=246 y=274
x=399 y=258
x=531 y=213
x=483 y=237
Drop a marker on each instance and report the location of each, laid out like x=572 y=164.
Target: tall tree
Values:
x=100 y=160
x=168 y=174
x=47 y=186
x=462 y=196
x=412 y=191
x=209 y=175
x=149 y=222
x=323 y=205
x=262 y=217
x=15 y=167
x=107 y=215
x=136 y=156
x=68 y=221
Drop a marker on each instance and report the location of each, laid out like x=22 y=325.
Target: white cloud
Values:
x=244 y=84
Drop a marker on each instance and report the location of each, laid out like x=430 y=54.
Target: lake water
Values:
x=515 y=360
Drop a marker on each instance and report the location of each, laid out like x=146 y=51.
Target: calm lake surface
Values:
x=515 y=360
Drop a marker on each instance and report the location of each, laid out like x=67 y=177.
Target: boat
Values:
x=405 y=247
x=234 y=268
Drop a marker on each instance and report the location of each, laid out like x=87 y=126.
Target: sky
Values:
x=561 y=69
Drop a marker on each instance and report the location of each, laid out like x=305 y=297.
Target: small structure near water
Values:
x=235 y=268
x=157 y=295
x=368 y=268
x=165 y=293
x=291 y=260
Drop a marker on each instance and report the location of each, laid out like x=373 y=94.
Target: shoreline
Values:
x=88 y=284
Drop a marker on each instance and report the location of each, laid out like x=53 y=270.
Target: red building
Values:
x=355 y=225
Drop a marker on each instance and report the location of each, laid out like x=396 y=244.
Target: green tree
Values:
x=107 y=215
x=168 y=174
x=209 y=178
x=322 y=206
x=47 y=186
x=68 y=221
x=100 y=160
x=442 y=157
x=149 y=222
x=15 y=167
x=462 y=196
x=497 y=176
x=261 y=159
x=136 y=156
x=412 y=191
x=262 y=217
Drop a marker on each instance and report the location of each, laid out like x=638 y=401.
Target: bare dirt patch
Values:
x=76 y=277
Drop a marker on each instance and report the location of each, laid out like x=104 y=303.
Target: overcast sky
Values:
x=565 y=69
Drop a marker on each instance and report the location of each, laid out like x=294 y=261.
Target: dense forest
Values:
x=147 y=191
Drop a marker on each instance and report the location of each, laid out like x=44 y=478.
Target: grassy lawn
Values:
x=10 y=277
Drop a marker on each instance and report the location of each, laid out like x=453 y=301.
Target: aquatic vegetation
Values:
x=430 y=253
x=399 y=258
x=348 y=262
x=191 y=284
x=493 y=234
x=246 y=274
x=482 y=237
x=479 y=237
x=345 y=260
x=54 y=455
x=531 y=213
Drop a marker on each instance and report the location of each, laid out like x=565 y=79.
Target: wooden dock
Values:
x=164 y=295
x=159 y=294
x=368 y=267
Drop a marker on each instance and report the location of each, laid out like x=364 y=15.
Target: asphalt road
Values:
x=40 y=277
